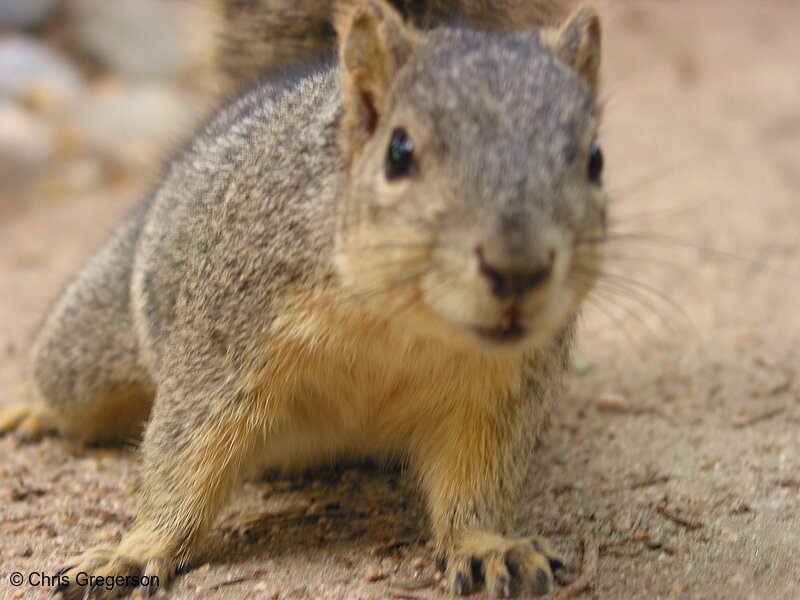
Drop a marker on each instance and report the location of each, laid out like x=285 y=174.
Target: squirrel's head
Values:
x=473 y=201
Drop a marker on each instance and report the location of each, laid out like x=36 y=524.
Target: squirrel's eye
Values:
x=400 y=158
x=595 y=163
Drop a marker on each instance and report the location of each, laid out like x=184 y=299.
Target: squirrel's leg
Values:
x=473 y=471
x=195 y=449
x=88 y=380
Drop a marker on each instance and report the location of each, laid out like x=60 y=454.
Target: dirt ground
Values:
x=675 y=453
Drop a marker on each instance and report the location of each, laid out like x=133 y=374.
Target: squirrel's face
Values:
x=475 y=208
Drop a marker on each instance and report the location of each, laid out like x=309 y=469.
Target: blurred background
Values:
x=676 y=447
x=93 y=92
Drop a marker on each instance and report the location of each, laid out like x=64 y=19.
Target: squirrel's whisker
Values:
x=645 y=295
x=650 y=260
x=617 y=298
x=602 y=306
x=615 y=236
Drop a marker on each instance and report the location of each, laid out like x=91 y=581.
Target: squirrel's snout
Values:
x=513 y=279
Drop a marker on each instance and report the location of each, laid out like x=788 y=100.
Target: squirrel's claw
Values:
x=148 y=572
x=506 y=565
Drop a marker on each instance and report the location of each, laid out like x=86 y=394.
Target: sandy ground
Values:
x=676 y=450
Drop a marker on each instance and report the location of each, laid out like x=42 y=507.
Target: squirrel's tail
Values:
x=256 y=37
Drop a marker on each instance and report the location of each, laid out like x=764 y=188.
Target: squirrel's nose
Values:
x=507 y=282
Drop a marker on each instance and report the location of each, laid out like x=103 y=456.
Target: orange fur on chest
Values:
x=338 y=380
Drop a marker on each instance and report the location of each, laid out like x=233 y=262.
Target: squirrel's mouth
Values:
x=510 y=329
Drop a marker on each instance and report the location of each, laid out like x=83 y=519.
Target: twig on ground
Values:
x=762 y=416
x=591 y=551
x=235 y=580
x=648 y=481
x=671 y=513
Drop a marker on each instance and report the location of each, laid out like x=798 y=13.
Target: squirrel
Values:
x=256 y=37
x=380 y=256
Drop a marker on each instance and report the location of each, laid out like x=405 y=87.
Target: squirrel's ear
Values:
x=577 y=43
x=374 y=43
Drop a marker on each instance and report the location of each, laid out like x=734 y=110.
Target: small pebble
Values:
x=741 y=508
x=375 y=573
x=640 y=536
x=610 y=402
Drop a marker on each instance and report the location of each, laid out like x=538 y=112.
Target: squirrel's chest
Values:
x=338 y=384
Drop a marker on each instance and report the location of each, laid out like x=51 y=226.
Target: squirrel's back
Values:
x=254 y=190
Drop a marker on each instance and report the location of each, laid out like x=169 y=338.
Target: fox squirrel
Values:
x=383 y=256
x=255 y=37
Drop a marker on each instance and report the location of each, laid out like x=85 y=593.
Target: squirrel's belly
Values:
x=298 y=448
x=347 y=421
x=342 y=384
x=337 y=414
x=344 y=403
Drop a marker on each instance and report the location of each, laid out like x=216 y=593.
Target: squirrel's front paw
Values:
x=106 y=573
x=507 y=565
x=31 y=422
